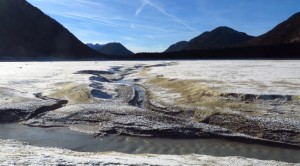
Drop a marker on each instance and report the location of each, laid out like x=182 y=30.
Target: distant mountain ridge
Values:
x=287 y=32
x=95 y=47
x=111 y=49
x=220 y=37
x=177 y=46
x=27 y=33
x=282 y=42
x=284 y=33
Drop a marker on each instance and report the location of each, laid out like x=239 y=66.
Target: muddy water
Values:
x=64 y=138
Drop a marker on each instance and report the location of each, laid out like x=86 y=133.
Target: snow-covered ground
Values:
x=16 y=153
x=258 y=77
x=23 y=79
x=36 y=77
x=232 y=76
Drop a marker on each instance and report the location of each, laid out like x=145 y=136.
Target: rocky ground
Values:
x=16 y=153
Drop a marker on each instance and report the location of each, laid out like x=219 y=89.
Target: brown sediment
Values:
x=74 y=93
x=205 y=100
x=296 y=98
x=143 y=73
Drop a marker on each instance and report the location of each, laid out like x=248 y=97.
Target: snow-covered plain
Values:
x=257 y=77
x=37 y=77
x=232 y=76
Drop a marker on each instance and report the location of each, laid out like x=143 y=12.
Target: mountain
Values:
x=177 y=47
x=116 y=49
x=282 y=42
x=285 y=33
x=27 y=33
x=94 y=46
x=220 y=37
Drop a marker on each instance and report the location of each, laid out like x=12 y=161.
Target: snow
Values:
x=233 y=76
x=258 y=77
x=37 y=77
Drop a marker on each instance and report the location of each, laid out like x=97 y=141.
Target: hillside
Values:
x=220 y=37
x=177 y=47
x=27 y=33
x=285 y=33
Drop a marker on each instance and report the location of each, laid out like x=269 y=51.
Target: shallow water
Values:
x=65 y=138
x=142 y=95
x=139 y=89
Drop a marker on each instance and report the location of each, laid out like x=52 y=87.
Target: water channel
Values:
x=65 y=138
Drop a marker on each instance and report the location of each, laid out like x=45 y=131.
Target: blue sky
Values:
x=153 y=25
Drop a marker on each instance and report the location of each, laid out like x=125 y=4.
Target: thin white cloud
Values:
x=74 y=3
x=92 y=18
x=163 y=11
x=140 y=9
